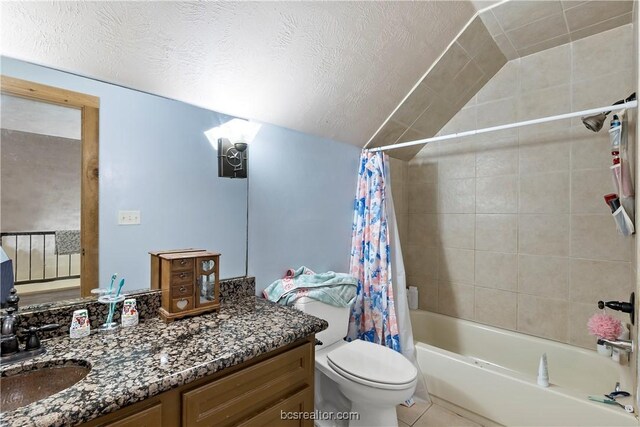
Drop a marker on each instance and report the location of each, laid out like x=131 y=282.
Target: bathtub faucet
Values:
x=625 y=307
x=624 y=345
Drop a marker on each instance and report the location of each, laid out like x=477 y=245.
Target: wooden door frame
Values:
x=89 y=107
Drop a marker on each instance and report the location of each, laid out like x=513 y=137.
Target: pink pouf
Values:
x=604 y=326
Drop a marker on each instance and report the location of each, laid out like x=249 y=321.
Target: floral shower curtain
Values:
x=373 y=314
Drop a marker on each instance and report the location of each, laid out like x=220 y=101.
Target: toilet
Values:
x=358 y=376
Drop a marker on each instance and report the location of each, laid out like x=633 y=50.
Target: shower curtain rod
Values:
x=630 y=104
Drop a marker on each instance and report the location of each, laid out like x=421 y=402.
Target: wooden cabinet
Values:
x=251 y=394
x=189 y=281
x=151 y=417
x=298 y=403
x=227 y=401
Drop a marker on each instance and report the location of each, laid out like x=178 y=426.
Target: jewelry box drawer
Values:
x=181 y=304
x=181 y=277
x=179 y=291
x=182 y=264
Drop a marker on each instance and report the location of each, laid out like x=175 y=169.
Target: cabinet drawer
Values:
x=182 y=291
x=151 y=417
x=299 y=402
x=181 y=277
x=182 y=264
x=250 y=391
x=179 y=304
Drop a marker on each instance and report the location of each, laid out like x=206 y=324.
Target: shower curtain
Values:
x=380 y=312
x=373 y=315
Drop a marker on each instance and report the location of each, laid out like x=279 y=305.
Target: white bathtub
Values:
x=492 y=372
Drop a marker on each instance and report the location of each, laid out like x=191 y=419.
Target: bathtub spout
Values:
x=624 y=345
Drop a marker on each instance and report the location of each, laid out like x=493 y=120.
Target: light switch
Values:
x=128 y=217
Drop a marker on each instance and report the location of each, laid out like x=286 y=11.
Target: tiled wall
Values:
x=400 y=191
x=510 y=229
x=521 y=28
x=511 y=30
x=455 y=78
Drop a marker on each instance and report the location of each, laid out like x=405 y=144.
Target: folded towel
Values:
x=67 y=242
x=338 y=289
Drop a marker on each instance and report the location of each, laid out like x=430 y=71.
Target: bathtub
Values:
x=492 y=372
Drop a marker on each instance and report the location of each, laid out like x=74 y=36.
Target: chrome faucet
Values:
x=10 y=346
x=620 y=344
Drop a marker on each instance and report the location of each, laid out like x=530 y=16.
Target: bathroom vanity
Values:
x=240 y=365
x=252 y=393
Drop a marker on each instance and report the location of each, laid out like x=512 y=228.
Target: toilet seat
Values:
x=372 y=365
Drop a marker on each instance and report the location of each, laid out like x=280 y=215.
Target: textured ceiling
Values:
x=334 y=69
x=42 y=118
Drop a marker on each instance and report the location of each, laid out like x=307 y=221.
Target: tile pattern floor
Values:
x=429 y=415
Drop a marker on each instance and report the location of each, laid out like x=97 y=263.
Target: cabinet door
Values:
x=150 y=417
x=238 y=396
x=289 y=412
x=206 y=281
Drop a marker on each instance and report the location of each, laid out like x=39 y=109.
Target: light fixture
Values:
x=232 y=139
x=240 y=146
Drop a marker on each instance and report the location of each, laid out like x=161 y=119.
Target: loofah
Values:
x=604 y=326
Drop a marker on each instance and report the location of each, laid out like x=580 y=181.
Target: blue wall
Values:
x=301 y=191
x=155 y=158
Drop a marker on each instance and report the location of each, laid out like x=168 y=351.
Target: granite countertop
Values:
x=139 y=362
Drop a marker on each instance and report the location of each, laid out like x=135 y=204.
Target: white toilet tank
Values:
x=337 y=317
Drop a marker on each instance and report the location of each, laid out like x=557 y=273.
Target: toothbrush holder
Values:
x=112 y=299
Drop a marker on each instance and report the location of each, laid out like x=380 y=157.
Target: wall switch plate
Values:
x=128 y=217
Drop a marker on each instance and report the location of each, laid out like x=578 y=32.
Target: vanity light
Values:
x=233 y=139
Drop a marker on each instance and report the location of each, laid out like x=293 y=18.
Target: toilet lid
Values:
x=372 y=364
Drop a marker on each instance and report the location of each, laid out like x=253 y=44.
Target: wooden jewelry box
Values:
x=189 y=281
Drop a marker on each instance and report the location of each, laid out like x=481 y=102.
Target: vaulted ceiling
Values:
x=502 y=30
x=333 y=69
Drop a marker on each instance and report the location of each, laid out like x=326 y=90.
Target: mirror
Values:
x=48 y=204
x=155 y=159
